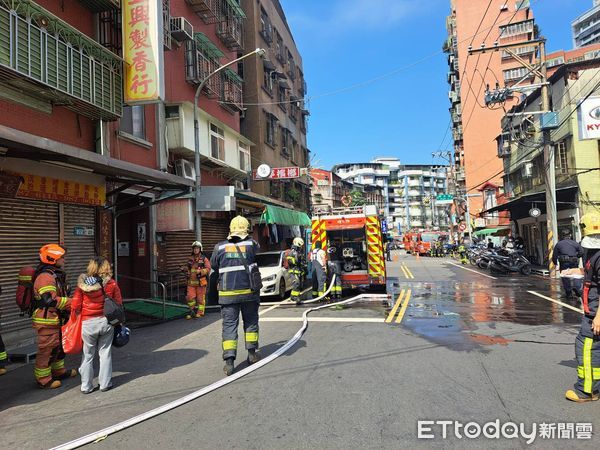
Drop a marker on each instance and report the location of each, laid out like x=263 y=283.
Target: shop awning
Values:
x=282 y=216
x=488 y=231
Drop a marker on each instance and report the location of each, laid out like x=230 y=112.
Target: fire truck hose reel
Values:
x=104 y=433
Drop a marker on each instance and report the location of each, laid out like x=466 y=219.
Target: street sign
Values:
x=278 y=173
x=427 y=201
x=462 y=227
x=535 y=212
x=384 y=227
x=263 y=171
x=444 y=199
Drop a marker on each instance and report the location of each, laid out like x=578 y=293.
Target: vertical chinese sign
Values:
x=143 y=51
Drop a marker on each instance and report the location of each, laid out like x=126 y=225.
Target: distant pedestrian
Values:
x=490 y=244
x=388 y=251
x=566 y=255
x=97 y=334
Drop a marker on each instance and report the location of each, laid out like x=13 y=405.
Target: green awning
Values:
x=281 y=216
x=488 y=231
x=233 y=76
x=237 y=9
x=206 y=46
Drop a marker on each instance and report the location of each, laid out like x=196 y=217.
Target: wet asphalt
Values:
x=461 y=345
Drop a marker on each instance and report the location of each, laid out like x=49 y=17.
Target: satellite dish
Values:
x=263 y=171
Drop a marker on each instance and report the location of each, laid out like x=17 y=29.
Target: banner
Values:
x=143 y=51
x=589 y=119
x=46 y=188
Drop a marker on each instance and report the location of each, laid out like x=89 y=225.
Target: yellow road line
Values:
x=404 y=306
x=580 y=311
x=404 y=271
x=410 y=274
x=392 y=313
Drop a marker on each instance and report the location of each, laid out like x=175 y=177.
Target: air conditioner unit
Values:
x=185 y=169
x=181 y=29
x=527 y=170
x=239 y=184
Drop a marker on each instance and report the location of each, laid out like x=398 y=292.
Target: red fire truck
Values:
x=353 y=239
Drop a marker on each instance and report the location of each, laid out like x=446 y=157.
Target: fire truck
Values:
x=353 y=239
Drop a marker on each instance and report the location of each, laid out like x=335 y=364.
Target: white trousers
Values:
x=96 y=334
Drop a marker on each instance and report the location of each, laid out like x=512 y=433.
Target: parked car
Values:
x=275 y=277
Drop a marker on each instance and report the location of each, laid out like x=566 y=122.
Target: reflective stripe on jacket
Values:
x=228 y=263
x=50 y=282
x=198 y=268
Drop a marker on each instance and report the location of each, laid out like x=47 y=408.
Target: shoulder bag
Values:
x=252 y=271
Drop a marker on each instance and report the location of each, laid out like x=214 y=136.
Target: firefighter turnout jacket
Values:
x=228 y=265
x=198 y=267
x=50 y=294
x=294 y=261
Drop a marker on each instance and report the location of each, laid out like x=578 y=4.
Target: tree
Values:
x=358 y=199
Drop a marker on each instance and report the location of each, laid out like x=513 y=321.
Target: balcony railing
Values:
x=49 y=59
x=201 y=59
x=207 y=10
x=101 y=5
x=231 y=93
x=230 y=31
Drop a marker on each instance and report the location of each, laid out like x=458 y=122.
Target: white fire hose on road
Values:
x=104 y=433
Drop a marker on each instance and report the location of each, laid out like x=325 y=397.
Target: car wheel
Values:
x=282 y=289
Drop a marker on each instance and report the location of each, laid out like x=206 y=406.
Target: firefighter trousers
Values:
x=587 y=352
x=318 y=280
x=231 y=320
x=3 y=355
x=296 y=285
x=50 y=358
x=336 y=290
x=196 y=299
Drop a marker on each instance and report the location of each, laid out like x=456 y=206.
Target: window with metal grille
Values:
x=109 y=30
x=271 y=127
x=515 y=29
x=562 y=160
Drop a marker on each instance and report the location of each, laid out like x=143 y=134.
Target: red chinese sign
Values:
x=281 y=173
x=142 y=51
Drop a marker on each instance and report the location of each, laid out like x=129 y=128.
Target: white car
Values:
x=275 y=278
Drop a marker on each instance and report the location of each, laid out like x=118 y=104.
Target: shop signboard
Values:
x=45 y=188
x=589 y=118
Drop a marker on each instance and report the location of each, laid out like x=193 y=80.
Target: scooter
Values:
x=510 y=262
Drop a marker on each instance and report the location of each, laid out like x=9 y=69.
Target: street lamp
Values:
x=260 y=52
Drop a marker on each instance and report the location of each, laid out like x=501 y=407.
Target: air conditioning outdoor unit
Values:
x=239 y=184
x=527 y=170
x=185 y=169
x=181 y=29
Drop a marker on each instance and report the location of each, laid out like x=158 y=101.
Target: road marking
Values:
x=474 y=271
x=325 y=319
x=557 y=302
x=410 y=274
x=404 y=306
x=404 y=271
x=392 y=313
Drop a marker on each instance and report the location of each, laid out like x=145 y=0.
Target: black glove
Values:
x=47 y=301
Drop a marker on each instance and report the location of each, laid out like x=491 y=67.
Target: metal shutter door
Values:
x=213 y=232
x=80 y=249
x=24 y=227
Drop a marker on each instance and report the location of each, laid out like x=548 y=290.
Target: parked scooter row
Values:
x=500 y=260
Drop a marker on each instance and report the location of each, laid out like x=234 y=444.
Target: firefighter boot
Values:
x=228 y=368
x=2 y=370
x=191 y=314
x=52 y=384
x=253 y=357
x=70 y=373
x=575 y=397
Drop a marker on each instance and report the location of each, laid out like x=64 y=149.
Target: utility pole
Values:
x=548 y=152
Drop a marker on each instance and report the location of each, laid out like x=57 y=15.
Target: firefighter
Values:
x=51 y=304
x=567 y=253
x=462 y=253
x=334 y=268
x=587 y=343
x=231 y=262
x=296 y=267
x=319 y=270
x=197 y=271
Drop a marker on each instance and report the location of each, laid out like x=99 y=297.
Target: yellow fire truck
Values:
x=353 y=240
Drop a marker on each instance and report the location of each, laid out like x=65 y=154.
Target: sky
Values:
x=377 y=77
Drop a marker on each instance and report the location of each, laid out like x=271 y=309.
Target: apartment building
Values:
x=586 y=27
x=327 y=190
x=275 y=116
x=367 y=174
x=475 y=126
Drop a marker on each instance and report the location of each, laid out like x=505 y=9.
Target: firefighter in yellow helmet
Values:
x=239 y=284
x=297 y=267
x=587 y=343
x=197 y=270
x=51 y=304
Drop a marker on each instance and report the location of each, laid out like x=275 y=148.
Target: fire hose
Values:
x=104 y=433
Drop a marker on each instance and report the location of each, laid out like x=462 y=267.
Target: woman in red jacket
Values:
x=96 y=332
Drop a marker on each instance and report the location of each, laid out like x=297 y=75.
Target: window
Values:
x=244 y=157
x=217 y=142
x=282 y=97
x=279 y=48
x=489 y=201
x=516 y=29
x=516 y=74
x=268 y=81
x=266 y=29
x=291 y=66
x=271 y=123
x=285 y=141
x=562 y=161
x=133 y=121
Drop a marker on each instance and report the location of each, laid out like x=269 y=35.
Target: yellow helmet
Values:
x=239 y=227
x=298 y=242
x=590 y=224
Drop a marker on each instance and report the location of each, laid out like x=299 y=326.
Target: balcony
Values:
x=57 y=63
x=98 y=6
x=231 y=93
x=201 y=59
x=230 y=28
x=207 y=10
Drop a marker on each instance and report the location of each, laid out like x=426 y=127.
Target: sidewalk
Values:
x=160 y=364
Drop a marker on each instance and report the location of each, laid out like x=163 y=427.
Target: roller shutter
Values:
x=25 y=226
x=80 y=247
x=213 y=231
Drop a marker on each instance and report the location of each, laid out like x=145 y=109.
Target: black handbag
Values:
x=113 y=311
x=252 y=271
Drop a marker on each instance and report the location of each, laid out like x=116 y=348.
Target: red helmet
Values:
x=50 y=253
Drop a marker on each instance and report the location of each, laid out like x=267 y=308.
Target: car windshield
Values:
x=429 y=237
x=268 y=259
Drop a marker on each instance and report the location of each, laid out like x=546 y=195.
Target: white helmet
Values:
x=197 y=244
x=298 y=242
